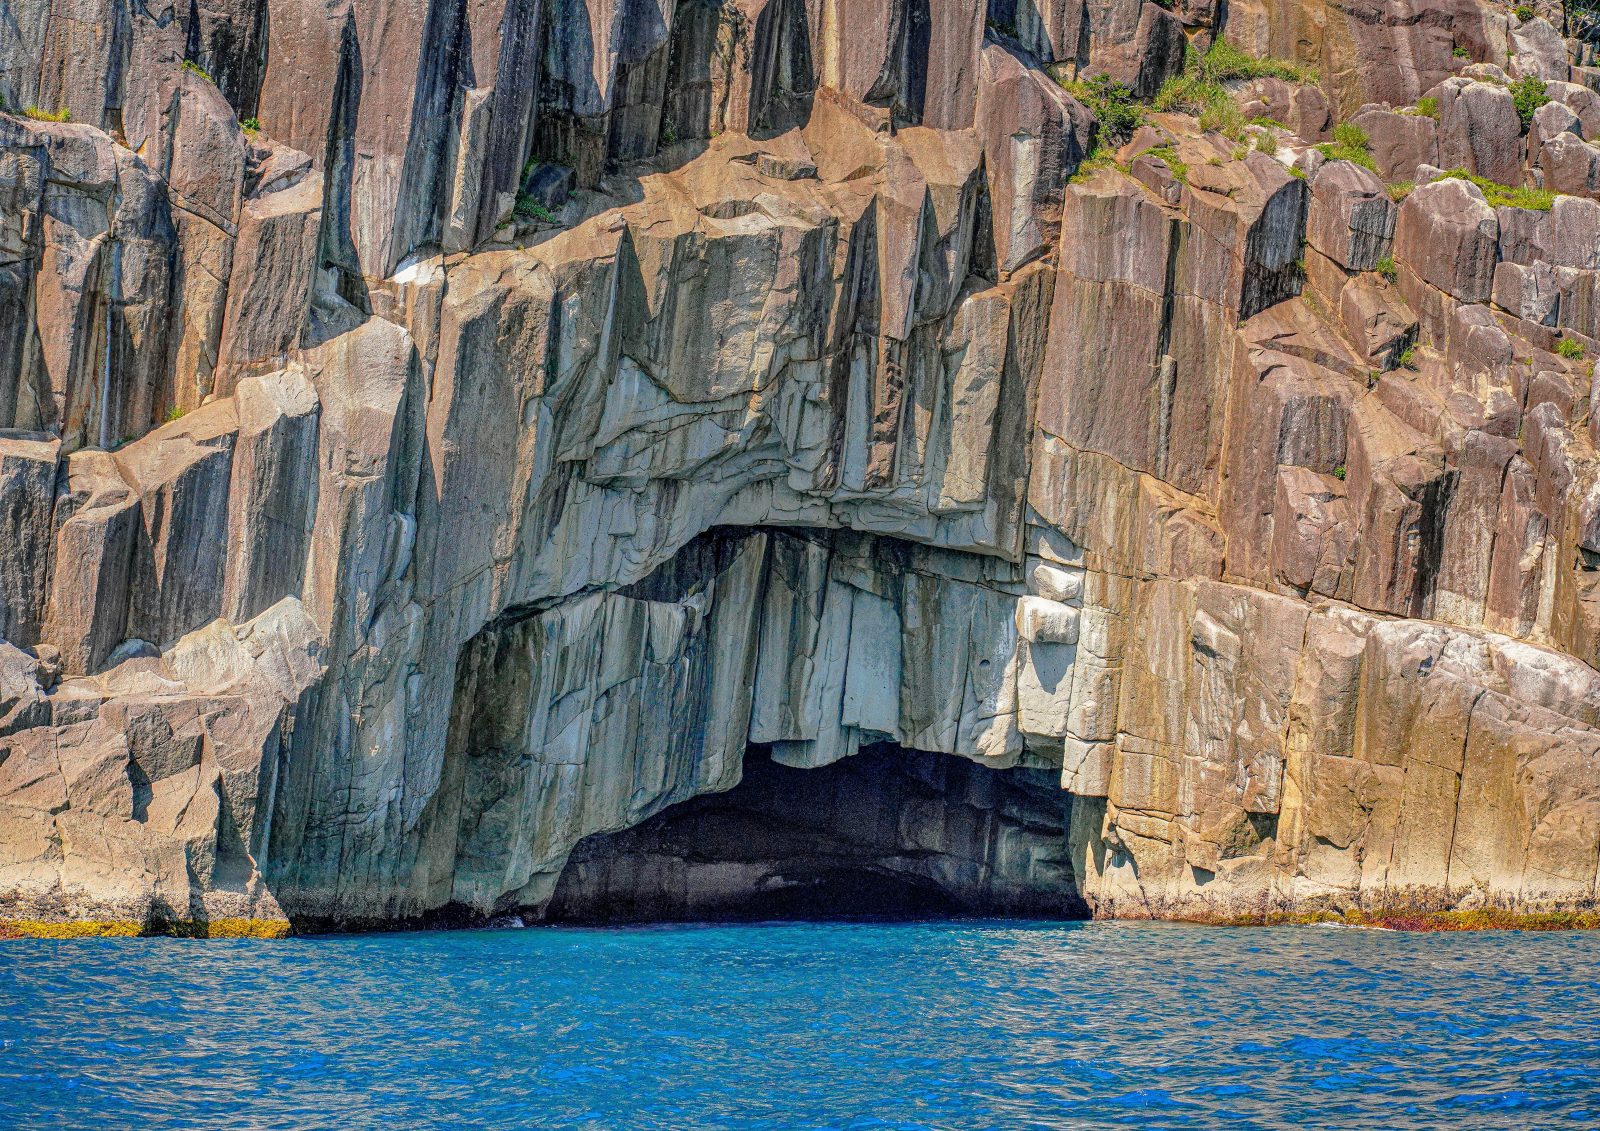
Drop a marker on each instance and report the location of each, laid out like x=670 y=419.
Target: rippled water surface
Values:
x=844 y=1025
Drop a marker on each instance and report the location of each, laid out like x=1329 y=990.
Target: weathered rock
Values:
x=1399 y=143
x=1447 y=236
x=269 y=288
x=1538 y=49
x=1351 y=218
x=27 y=503
x=180 y=475
x=95 y=520
x=1034 y=137
x=360 y=569
x=1479 y=130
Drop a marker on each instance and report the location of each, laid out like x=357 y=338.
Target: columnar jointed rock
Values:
x=468 y=433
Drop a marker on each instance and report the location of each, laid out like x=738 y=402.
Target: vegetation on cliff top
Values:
x=1350 y=143
x=1168 y=156
x=1498 y=195
x=41 y=115
x=1528 y=94
x=1111 y=102
x=1200 y=90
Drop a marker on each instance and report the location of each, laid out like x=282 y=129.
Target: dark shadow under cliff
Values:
x=889 y=832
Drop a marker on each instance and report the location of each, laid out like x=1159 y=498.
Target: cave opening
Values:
x=888 y=833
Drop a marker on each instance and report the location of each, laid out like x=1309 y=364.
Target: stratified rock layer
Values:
x=436 y=434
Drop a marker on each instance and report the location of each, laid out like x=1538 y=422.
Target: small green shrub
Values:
x=1387 y=269
x=1297 y=173
x=251 y=126
x=1428 y=107
x=1523 y=12
x=1460 y=52
x=669 y=134
x=41 y=115
x=1350 y=143
x=1570 y=348
x=1407 y=358
x=176 y=413
x=196 y=69
x=1528 y=95
x=1266 y=142
x=1112 y=104
x=1338 y=473
x=1509 y=196
x=530 y=209
x=1400 y=190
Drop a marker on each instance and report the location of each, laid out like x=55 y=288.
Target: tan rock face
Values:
x=417 y=459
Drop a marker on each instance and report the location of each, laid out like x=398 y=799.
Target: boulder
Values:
x=1351 y=219
x=1447 y=234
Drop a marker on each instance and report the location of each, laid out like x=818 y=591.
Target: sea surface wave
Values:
x=938 y=1025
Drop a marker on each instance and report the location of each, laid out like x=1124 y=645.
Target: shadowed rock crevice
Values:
x=890 y=832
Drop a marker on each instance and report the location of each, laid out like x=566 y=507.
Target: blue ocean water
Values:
x=824 y=1025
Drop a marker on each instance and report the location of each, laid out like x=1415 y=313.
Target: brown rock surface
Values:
x=486 y=447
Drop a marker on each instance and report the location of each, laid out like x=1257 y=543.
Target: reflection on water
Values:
x=839 y=1025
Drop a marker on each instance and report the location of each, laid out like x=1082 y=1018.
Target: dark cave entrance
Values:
x=888 y=833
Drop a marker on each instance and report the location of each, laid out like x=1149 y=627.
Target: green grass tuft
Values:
x=1350 y=143
x=1168 y=156
x=1200 y=90
x=196 y=69
x=1103 y=157
x=1570 y=348
x=1225 y=63
x=1387 y=269
x=41 y=115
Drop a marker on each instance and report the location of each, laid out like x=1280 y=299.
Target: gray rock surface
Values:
x=378 y=534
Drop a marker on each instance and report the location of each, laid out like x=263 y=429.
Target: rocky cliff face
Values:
x=441 y=432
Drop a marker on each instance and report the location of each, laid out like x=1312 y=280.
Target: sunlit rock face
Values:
x=438 y=436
